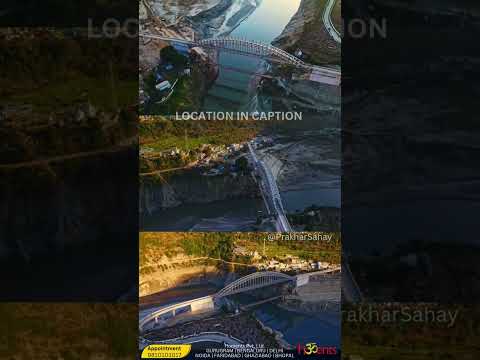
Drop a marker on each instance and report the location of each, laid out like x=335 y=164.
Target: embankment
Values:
x=192 y=188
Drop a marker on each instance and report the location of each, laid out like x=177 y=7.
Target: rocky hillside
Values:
x=307 y=32
x=193 y=189
x=208 y=17
x=169 y=260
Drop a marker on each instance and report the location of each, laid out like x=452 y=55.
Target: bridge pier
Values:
x=204 y=304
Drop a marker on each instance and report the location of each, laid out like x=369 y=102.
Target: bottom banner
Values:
x=239 y=351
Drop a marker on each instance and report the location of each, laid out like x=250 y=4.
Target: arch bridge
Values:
x=254 y=48
x=321 y=74
x=247 y=47
x=254 y=281
x=246 y=283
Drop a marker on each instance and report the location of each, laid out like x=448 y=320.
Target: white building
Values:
x=164 y=85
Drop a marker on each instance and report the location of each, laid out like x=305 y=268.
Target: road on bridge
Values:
x=270 y=192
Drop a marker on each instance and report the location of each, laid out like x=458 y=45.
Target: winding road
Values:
x=327 y=21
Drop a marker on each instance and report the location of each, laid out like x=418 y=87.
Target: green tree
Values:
x=169 y=54
x=242 y=163
x=224 y=248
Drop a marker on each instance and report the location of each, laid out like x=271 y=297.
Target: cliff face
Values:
x=306 y=31
x=294 y=29
x=194 y=189
x=164 y=267
x=221 y=19
x=177 y=271
x=208 y=17
x=171 y=10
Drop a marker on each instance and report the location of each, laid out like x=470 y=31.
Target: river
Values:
x=297 y=327
x=227 y=215
x=231 y=90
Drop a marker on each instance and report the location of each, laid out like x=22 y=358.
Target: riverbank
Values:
x=323 y=218
x=306 y=166
x=277 y=335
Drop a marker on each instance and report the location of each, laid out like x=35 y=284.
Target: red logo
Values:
x=313 y=348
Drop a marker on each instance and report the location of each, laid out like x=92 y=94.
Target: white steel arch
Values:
x=253 y=48
x=254 y=281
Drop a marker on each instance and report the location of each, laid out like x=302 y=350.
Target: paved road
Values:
x=327 y=21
